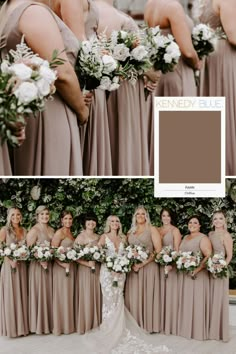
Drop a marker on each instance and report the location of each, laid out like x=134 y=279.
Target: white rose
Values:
x=92 y=250
x=86 y=250
x=26 y=92
x=123 y=34
x=62 y=257
x=47 y=74
x=40 y=254
x=167 y=58
x=160 y=41
x=166 y=258
x=114 y=87
x=16 y=253
x=43 y=87
x=96 y=255
x=139 y=53
x=121 y=52
x=109 y=64
x=118 y=268
x=105 y=83
x=70 y=255
x=7 y=251
x=109 y=264
x=5 y=67
x=47 y=254
x=22 y=71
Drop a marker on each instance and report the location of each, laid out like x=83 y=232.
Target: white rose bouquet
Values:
x=96 y=67
x=65 y=255
x=42 y=253
x=188 y=261
x=217 y=266
x=166 y=258
x=118 y=264
x=131 y=54
x=90 y=253
x=16 y=253
x=26 y=82
x=137 y=253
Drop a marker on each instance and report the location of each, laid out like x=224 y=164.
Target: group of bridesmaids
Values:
x=32 y=300
x=121 y=127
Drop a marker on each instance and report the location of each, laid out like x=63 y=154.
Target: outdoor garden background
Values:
x=112 y=196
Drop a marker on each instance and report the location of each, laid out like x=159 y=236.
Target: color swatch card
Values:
x=189 y=146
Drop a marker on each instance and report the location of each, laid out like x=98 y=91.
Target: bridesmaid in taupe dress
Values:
x=219 y=75
x=52 y=145
x=219 y=310
x=194 y=294
x=88 y=299
x=170 y=16
x=142 y=289
x=13 y=286
x=40 y=277
x=170 y=236
x=64 y=286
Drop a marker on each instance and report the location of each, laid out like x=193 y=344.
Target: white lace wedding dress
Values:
x=119 y=332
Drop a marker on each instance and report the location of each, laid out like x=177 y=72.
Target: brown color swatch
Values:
x=189 y=147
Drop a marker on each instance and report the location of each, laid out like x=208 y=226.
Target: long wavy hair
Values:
x=134 y=219
x=108 y=226
x=10 y=212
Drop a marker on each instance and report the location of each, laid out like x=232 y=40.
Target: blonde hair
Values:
x=134 y=221
x=39 y=210
x=10 y=212
x=222 y=213
x=108 y=226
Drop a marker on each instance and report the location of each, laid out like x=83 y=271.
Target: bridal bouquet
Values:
x=217 y=266
x=118 y=264
x=65 y=255
x=26 y=82
x=204 y=41
x=137 y=253
x=163 y=51
x=90 y=253
x=42 y=253
x=96 y=67
x=188 y=261
x=132 y=56
x=16 y=253
x=165 y=258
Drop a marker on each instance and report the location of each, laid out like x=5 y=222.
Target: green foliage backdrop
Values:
x=110 y=196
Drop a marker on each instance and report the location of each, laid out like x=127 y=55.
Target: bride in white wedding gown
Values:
x=119 y=332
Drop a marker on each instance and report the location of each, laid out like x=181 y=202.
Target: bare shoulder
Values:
x=33 y=16
x=227 y=235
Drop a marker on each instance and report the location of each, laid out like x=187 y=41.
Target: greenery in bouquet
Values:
x=217 y=266
x=26 y=82
x=204 y=40
x=131 y=54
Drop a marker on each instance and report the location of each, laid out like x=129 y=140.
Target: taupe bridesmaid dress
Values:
x=88 y=298
x=52 y=145
x=128 y=124
x=14 y=295
x=181 y=81
x=142 y=289
x=40 y=293
x=169 y=293
x=63 y=295
x=5 y=166
x=194 y=298
x=95 y=137
x=219 y=79
x=219 y=301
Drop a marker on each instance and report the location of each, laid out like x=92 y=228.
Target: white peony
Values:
x=26 y=92
x=167 y=258
x=167 y=58
x=121 y=52
x=139 y=53
x=47 y=74
x=43 y=87
x=70 y=254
